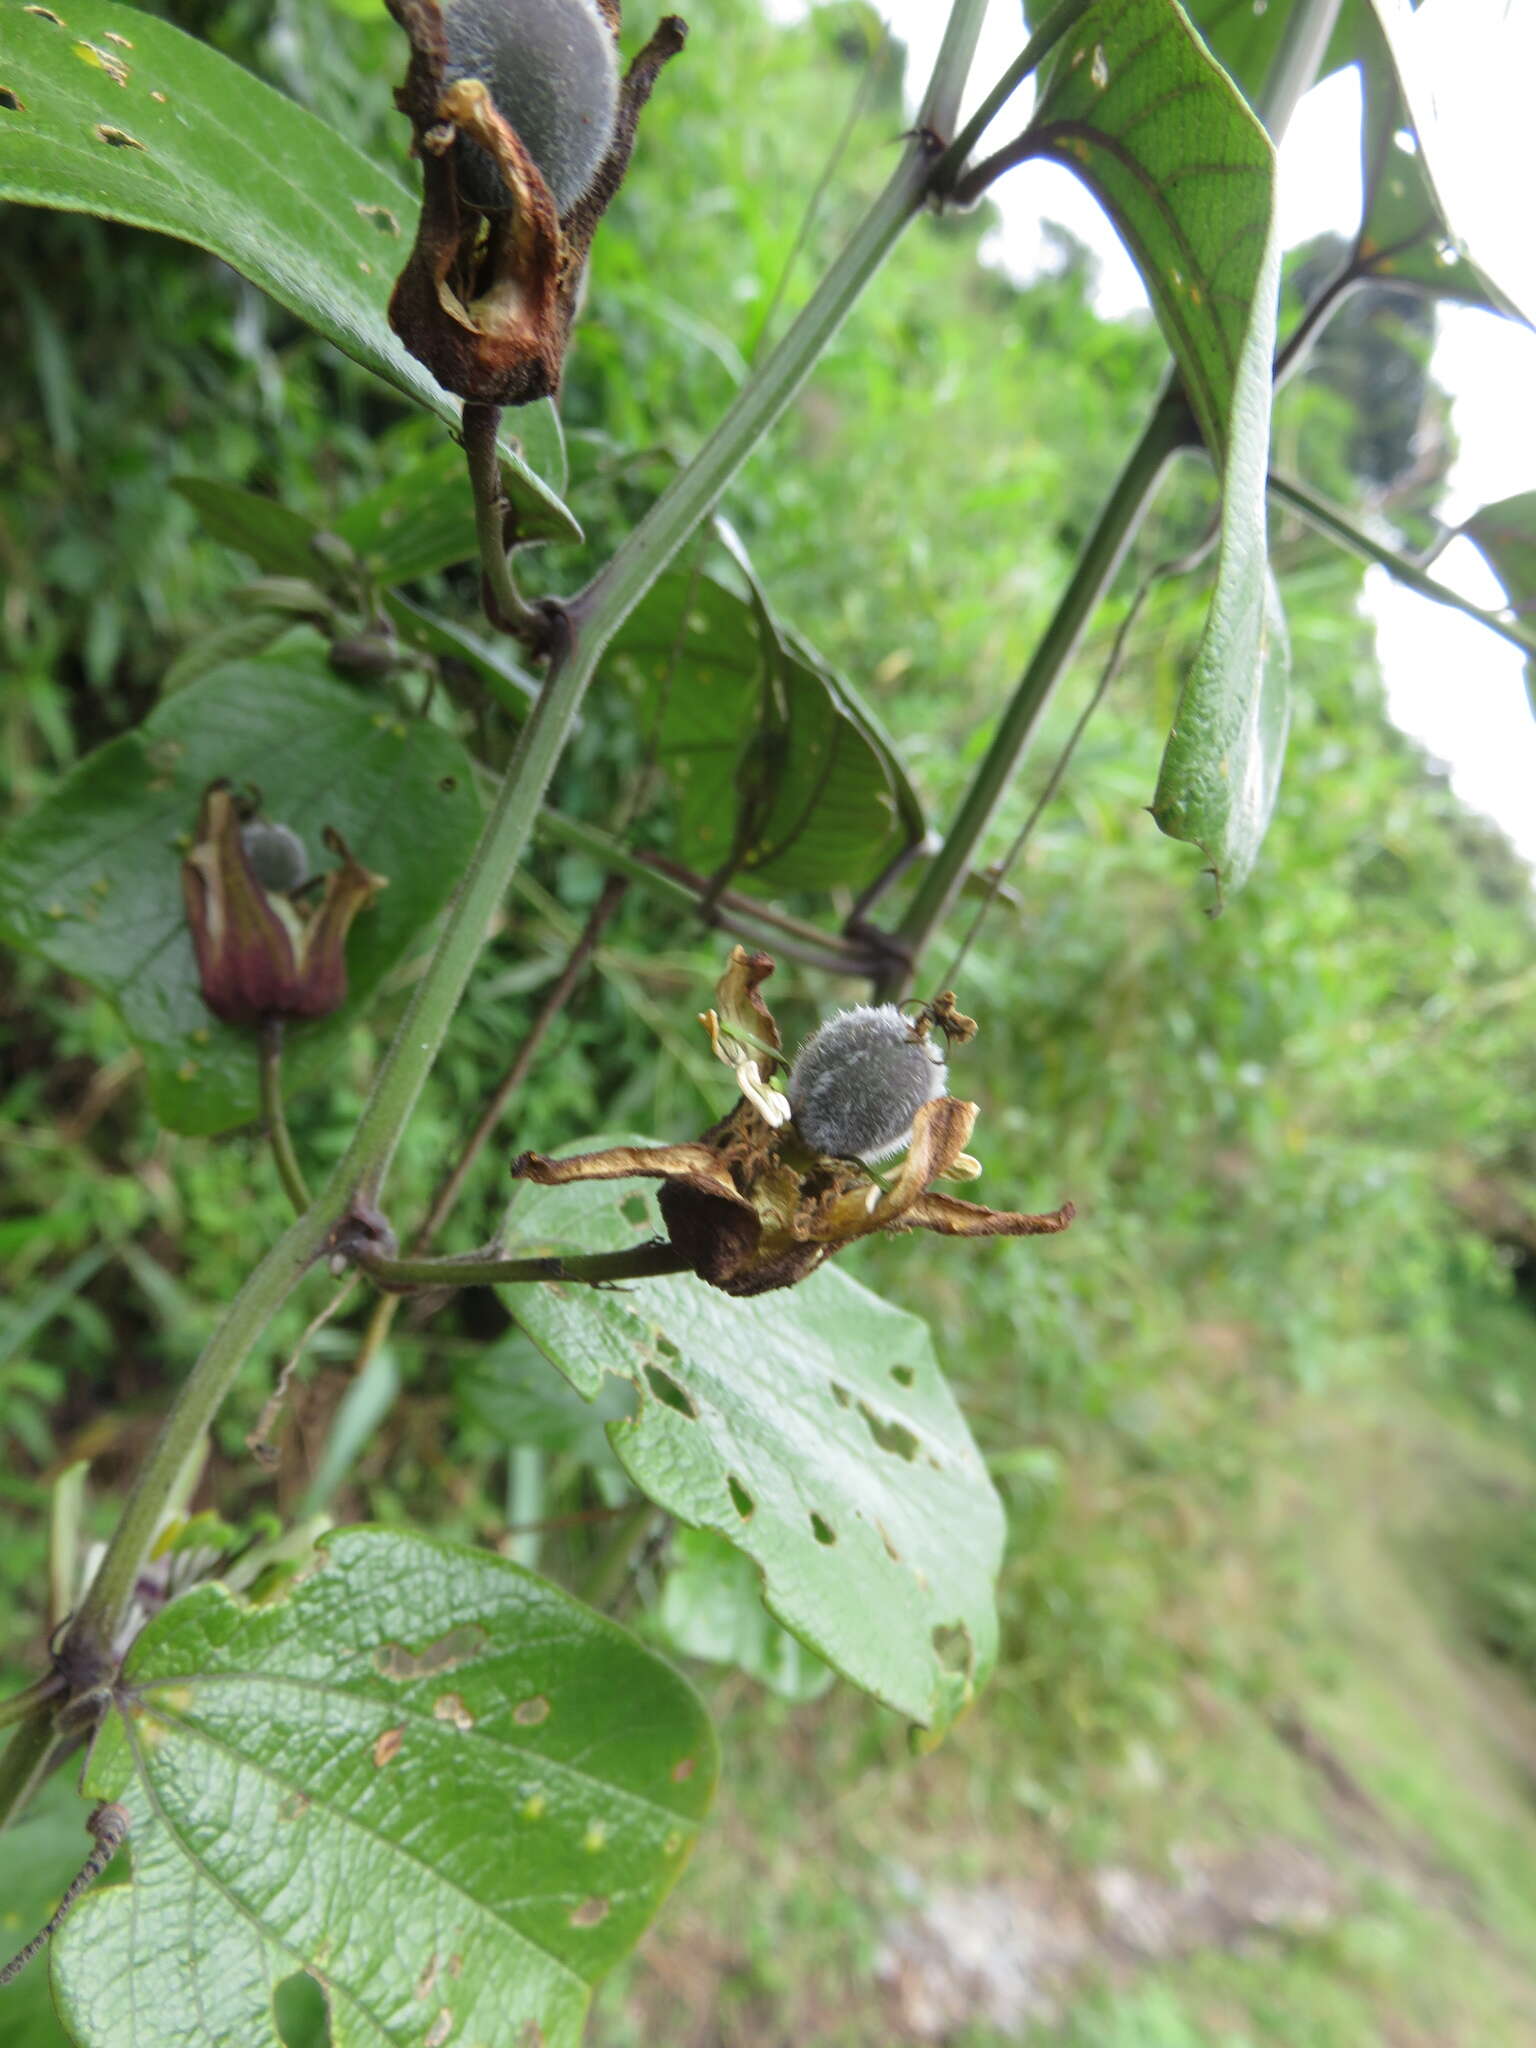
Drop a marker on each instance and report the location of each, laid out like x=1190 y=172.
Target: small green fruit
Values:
x=552 y=69
x=859 y=1081
x=277 y=855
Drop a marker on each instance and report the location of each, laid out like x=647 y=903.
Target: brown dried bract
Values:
x=750 y=1206
x=486 y=301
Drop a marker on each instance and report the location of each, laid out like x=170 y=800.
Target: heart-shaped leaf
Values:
x=91 y=879
x=450 y=1793
x=811 y=1428
x=118 y=114
x=783 y=780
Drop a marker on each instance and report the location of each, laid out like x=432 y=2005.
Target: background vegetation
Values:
x=1264 y=1420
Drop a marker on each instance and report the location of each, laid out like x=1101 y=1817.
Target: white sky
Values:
x=1455 y=687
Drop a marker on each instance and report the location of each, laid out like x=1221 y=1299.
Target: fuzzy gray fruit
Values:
x=860 y=1080
x=278 y=857
x=552 y=69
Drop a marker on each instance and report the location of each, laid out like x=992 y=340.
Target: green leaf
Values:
x=812 y=1429
x=1245 y=39
x=783 y=780
x=439 y=1785
x=1505 y=533
x=1221 y=768
x=39 y=1855
x=124 y=116
x=1463 y=67
x=1138 y=108
x=91 y=880
x=711 y=1607
x=279 y=539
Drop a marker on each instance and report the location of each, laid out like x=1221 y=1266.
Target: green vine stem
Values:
x=1168 y=430
x=946 y=172
x=275 y=1117
x=40 y=1693
x=354 y=1187
x=638 y=1262
x=1327 y=519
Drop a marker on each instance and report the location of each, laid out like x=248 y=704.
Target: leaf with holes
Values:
x=447 y=1791
x=1505 y=534
x=91 y=879
x=1138 y=108
x=782 y=778
x=813 y=1429
x=1464 y=68
x=121 y=115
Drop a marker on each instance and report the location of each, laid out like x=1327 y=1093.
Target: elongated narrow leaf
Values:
x=118 y=114
x=1136 y=105
x=441 y=1787
x=1465 y=69
x=782 y=779
x=91 y=879
x=812 y=1429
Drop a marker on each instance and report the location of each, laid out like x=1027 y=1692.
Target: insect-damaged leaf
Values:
x=121 y=115
x=448 y=1791
x=811 y=1428
x=782 y=778
x=91 y=879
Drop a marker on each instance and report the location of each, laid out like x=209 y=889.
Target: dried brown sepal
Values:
x=752 y=1208
x=486 y=301
x=260 y=953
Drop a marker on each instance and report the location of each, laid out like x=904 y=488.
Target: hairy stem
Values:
x=1166 y=432
x=289 y=1171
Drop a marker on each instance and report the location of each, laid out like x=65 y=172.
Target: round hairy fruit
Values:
x=277 y=855
x=860 y=1080
x=553 y=71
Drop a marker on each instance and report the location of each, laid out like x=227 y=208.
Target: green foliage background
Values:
x=1269 y=1377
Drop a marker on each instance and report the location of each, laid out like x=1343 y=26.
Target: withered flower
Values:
x=265 y=952
x=751 y=1206
x=488 y=295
